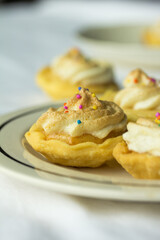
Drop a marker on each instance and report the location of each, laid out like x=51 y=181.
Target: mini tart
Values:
x=61 y=79
x=87 y=154
x=142 y=165
x=152 y=35
x=140 y=97
x=59 y=137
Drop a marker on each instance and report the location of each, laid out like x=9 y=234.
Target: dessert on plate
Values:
x=82 y=133
x=61 y=79
x=152 y=35
x=139 y=152
x=140 y=97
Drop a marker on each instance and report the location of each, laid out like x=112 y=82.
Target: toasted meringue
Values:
x=141 y=94
x=84 y=121
x=61 y=79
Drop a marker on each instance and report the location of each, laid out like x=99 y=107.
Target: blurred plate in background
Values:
x=122 y=46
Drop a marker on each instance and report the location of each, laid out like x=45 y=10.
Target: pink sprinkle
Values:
x=153 y=80
x=65 y=107
x=80 y=106
x=157 y=114
x=78 y=96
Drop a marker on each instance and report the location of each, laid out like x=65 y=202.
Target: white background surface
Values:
x=29 y=38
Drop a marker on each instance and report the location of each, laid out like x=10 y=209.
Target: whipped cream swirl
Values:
x=143 y=137
x=74 y=67
x=98 y=118
x=141 y=92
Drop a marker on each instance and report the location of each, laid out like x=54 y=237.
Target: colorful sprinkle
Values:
x=65 y=107
x=135 y=80
x=94 y=107
x=65 y=104
x=157 y=120
x=79 y=121
x=78 y=96
x=66 y=111
x=80 y=106
x=87 y=89
x=79 y=88
x=153 y=80
x=93 y=94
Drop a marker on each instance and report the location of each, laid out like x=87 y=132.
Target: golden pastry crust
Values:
x=134 y=115
x=87 y=154
x=139 y=165
x=59 y=89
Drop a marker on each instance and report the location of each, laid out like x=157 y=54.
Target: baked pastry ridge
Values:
x=85 y=123
x=139 y=153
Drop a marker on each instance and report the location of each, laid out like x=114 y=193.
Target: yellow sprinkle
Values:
x=157 y=121
x=93 y=94
x=77 y=92
x=94 y=107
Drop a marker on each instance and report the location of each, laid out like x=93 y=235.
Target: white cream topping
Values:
x=143 y=139
x=98 y=118
x=96 y=75
x=79 y=69
x=73 y=129
x=149 y=103
x=139 y=98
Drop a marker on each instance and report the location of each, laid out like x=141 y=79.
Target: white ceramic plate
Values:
x=18 y=159
x=120 y=45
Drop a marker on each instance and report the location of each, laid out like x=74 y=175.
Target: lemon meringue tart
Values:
x=140 y=97
x=61 y=79
x=139 y=153
x=82 y=133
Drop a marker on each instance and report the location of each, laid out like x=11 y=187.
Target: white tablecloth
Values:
x=30 y=36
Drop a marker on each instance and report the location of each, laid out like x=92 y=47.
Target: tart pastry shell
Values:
x=86 y=154
x=139 y=165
